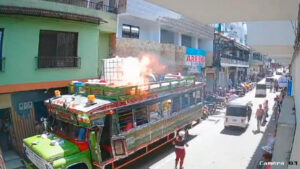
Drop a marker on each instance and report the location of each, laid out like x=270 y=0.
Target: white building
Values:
x=145 y=27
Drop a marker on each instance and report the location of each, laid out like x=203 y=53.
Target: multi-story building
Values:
x=236 y=30
x=43 y=46
x=231 y=59
x=145 y=28
x=256 y=64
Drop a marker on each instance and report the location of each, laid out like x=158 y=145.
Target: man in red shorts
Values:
x=179 y=143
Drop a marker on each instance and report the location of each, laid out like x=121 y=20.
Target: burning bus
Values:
x=110 y=123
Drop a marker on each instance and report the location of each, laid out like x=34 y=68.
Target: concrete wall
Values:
x=285 y=132
x=21 y=44
x=149 y=30
x=295 y=155
x=167 y=53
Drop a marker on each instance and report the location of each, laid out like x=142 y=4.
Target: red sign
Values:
x=196 y=59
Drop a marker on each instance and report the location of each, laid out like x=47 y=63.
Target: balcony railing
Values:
x=88 y=4
x=233 y=62
x=58 y=62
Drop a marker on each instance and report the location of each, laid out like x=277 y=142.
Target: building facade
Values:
x=145 y=28
x=43 y=46
x=231 y=60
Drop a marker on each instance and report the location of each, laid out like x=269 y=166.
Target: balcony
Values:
x=58 y=62
x=75 y=10
x=88 y=4
x=227 y=62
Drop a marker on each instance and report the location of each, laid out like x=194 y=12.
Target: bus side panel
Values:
x=143 y=135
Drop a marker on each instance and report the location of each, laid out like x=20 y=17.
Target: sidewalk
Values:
x=269 y=129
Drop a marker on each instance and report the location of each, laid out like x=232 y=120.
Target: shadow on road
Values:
x=233 y=131
x=155 y=156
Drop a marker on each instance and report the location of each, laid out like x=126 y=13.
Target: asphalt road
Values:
x=213 y=147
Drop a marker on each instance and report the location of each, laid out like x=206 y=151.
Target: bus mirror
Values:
x=119 y=146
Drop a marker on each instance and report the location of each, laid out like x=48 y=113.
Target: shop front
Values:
x=27 y=110
x=20 y=115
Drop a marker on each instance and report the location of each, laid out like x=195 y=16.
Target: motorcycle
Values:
x=205 y=112
x=210 y=102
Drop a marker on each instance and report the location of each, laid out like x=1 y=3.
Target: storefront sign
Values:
x=23 y=102
x=195 y=60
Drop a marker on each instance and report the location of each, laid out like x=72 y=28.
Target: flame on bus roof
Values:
x=130 y=71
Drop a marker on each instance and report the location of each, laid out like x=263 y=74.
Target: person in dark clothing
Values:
x=180 y=144
x=4 y=134
x=276 y=85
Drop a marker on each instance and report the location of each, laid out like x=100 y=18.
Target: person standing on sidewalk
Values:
x=266 y=109
x=179 y=143
x=259 y=116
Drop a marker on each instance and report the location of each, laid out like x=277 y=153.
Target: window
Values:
x=185 y=100
x=141 y=116
x=1 y=44
x=129 y=31
x=166 y=107
x=125 y=120
x=167 y=36
x=176 y=104
x=68 y=130
x=192 y=98
x=198 y=96
x=186 y=41
x=58 y=49
x=154 y=112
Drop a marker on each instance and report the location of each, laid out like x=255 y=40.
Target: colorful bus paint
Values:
x=112 y=132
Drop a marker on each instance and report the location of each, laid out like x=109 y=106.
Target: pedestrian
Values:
x=266 y=109
x=259 y=116
x=271 y=86
x=179 y=143
x=38 y=127
x=4 y=134
x=276 y=85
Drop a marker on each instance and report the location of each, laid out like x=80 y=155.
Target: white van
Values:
x=238 y=113
x=261 y=90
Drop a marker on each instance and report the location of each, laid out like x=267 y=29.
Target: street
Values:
x=213 y=147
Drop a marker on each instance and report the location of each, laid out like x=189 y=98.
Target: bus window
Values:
x=192 y=98
x=125 y=120
x=166 y=109
x=141 y=116
x=198 y=96
x=175 y=104
x=154 y=112
x=185 y=100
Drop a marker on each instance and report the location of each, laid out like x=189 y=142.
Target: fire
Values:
x=135 y=71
